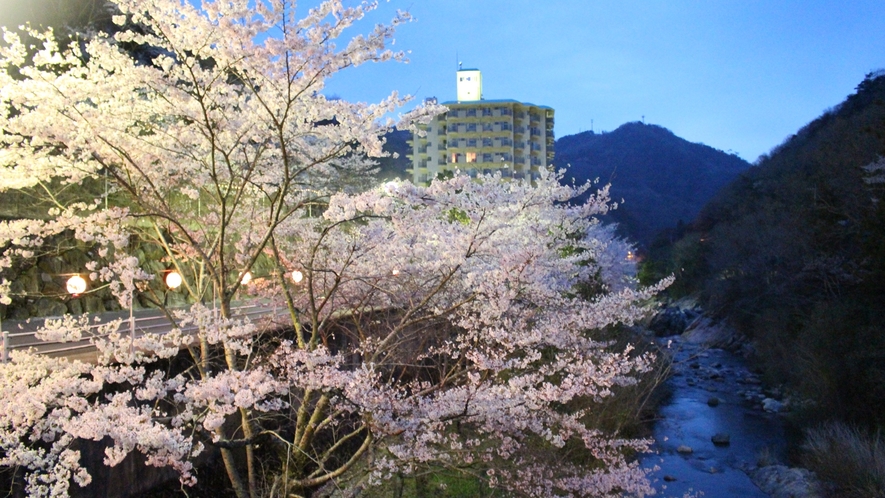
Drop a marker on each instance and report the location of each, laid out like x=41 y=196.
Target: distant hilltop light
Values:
x=477 y=136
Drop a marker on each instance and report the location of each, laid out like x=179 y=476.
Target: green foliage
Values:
x=459 y=216
x=685 y=258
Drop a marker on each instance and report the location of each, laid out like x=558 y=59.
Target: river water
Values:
x=713 y=392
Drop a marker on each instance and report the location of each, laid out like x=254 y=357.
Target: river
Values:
x=713 y=392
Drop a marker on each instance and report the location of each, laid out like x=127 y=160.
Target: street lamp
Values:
x=76 y=285
x=245 y=278
x=4 y=346
x=173 y=280
x=297 y=276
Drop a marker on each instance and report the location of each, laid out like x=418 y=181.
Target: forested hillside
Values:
x=793 y=253
x=662 y=178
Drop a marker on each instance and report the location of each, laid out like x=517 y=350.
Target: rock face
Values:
x=781 y=481
x=39 y=285
x=671 y=321
x=708 y=332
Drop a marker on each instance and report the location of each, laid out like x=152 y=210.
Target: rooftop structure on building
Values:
x=483 y=136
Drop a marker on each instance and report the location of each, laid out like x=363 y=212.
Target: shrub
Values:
x=852 y=460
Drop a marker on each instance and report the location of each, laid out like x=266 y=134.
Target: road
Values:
x=21 y=334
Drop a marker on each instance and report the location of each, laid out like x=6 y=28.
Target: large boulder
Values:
x=668 y=322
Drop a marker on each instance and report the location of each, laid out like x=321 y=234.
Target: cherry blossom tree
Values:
x=430 y=327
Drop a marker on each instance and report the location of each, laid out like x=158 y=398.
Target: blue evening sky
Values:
x=737 y=75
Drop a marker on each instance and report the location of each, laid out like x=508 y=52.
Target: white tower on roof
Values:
x=469 y=85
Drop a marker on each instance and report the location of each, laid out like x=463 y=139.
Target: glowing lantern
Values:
x=173 y=280
x=76 y=285
x=297 y=276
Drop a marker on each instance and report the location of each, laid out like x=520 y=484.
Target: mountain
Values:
x=792 y=252
x=663 y=179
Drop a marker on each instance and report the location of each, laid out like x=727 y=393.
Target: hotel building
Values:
x=483 y=136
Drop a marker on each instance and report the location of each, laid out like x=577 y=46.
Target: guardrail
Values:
x=146 y=321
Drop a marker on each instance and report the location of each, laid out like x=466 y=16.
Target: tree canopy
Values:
x=439 y=326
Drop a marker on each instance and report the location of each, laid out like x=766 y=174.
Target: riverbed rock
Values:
x=713 y=402
x=721 y=439
x=781 y=481
x=684 y=449
x=772 y=405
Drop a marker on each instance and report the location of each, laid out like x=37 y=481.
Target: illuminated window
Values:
x=454 y=157
x=471 y=157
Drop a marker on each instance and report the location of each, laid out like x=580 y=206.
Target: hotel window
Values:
x=487 y=142
x=471 y=142
x=471 y=157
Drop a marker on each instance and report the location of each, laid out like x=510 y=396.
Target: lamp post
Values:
x=4 y=346
x=173 y=280
x=131 y=316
